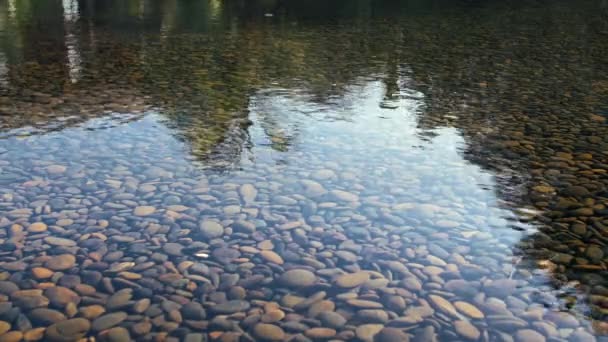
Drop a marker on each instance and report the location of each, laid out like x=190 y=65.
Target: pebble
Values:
x=144 y=210
x=68 y=330
x=297 y=278
x=366 y=332
x=211 y=229
x=528 y=335
x=352 y=279
x=467 y=330
x=268 y=332
x=61 y=262
x=108 y=320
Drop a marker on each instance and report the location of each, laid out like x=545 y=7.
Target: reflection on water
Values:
x=359 y=170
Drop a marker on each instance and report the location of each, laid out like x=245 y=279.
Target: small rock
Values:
x=297 y=278
x=144 y=210
x=268 y=332
x=467 y=330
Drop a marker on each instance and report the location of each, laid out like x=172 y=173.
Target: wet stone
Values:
x=230 y=307
x=268 y=332
x=108 y=320
x=211 y=229
x=297 y=278
x=61 y=262
x=68 y=330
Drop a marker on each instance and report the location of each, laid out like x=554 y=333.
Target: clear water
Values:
x=452 y=150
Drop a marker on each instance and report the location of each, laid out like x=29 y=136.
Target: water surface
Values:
x=350 y=170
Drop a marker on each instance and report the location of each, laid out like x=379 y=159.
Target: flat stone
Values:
x=297 y=278
x=344 y=196
x=211 y=229
x=467 y=330
x=173 y=249
x=364 y=304
x=56 y=169
x=243 y=226
x=248 y=193
x=332 y=319
x=271 y=256
x=468 y=310
x=56 y=241
x=4 y=327
x=391 y=335
x=320 y=333
x=268 y=332
x=351 y=280
x=11 y=336
x=366 y=332
x=37 y=227
x=40 y=273
x=443 y=305
x=45 y=316
x=116 y=334
x=68 y=330
x=60 y=296
x=500 y=288
x=107 y=321
x=230 y=307
x=7 y=287
x=92 y=311
x=528 y=335
x=144 y=210
x=61 y=262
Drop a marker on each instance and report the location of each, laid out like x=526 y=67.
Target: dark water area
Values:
x=303 y=170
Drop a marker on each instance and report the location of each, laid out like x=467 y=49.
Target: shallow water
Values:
x=373 y=171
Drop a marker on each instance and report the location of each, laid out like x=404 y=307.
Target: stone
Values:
x=11 y=336
x=373 y=316
x=467 y=330
x=500 y=288
x=7 y=287
x=248 y=193
x=60 y=296
x=528 y=335
x=173 y=249
x=243 y=226
x=92 y=311
x=193 y=311
x=45 y=316
x=271 y=256
x=343 y=196
x=268 y=332
x=468 y=310
x=320 y=333
x=364 y=304
x=351 y=280
x=366 y=332
x=116 y=334
x=4 y=327
x=391 y=335
x=119 y=299
x=37 y=227
x=56 y=241
x=35 y=334
x=230 y=307
x=443 y=305
x=297 y=278
x=68 y=330
x=56 y=169
x=108 y=321
x=211 y=229
x=144 y=210
x=61 y=262
x=332 y=319
x=40 y=273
